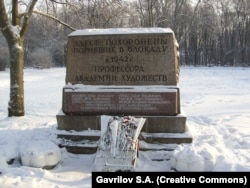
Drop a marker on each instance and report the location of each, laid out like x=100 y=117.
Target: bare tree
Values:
x=147 y=11
x=14 y=28
x=106 y=13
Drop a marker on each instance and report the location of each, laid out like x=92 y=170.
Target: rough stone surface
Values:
x=78 y=123
x=132 y=56
x=153 y=124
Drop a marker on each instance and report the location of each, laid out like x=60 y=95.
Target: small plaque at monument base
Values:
x=98 y=100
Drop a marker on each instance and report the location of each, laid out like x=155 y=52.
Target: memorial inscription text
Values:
x=119 y=59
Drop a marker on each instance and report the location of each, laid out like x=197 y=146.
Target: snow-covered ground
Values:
x=216 y=101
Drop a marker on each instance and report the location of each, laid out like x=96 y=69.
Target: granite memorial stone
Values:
x=132 y=56
x=122 y=71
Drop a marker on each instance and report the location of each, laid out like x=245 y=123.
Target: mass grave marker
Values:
x=133 y=56
x=123 y=71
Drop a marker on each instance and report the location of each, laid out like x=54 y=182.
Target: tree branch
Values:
x=54 y=18
x=15 y=16
x=57 y=2
x=5 y=25
x=3 y=15
x=27 y=17
x=191 y=22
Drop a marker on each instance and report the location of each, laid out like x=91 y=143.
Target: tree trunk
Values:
x=16 y=102
x=14 y=32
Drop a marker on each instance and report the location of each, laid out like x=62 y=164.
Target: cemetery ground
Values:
x=215 y=100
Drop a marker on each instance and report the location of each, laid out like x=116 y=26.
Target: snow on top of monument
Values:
x=113 y=31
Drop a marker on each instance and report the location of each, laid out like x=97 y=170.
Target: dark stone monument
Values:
x=124 y=71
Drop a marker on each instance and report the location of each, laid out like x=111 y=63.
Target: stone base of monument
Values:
x=79 y=142
x=84 y=137
x=154 y=124
x=79 y=120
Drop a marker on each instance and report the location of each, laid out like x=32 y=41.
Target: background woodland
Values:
x=209 y=32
